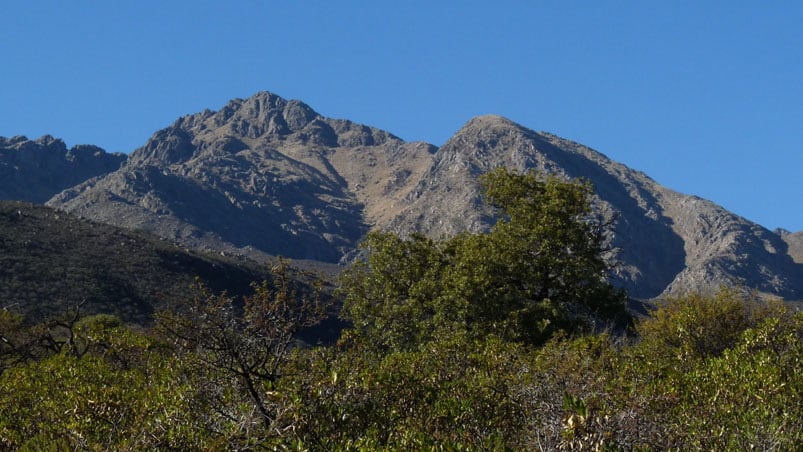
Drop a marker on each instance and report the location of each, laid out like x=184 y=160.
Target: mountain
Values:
x=51 y=261
x=35 y=170
x=262 y=175
x=265 y=176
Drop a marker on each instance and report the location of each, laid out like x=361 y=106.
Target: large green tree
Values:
x=541 y=268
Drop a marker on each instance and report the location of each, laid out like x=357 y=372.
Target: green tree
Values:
x=396 y=295
x=541 y=268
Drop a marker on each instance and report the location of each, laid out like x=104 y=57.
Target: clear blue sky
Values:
x=706 y=97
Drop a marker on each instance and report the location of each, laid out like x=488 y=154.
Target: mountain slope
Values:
x=51 y=261
x=35 y=170
x=265 y=176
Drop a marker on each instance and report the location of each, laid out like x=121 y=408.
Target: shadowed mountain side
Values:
x=51 y=261
x=218 y=217
x=729 y=249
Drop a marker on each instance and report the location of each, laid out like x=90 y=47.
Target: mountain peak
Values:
x=263 y=113
x=485 y=122
x=51 y=141
x=266 y=106
x=489 y=131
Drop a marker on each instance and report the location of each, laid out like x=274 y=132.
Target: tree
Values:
x=544 y=260
x=395 y=296
x=15 y=341
x=249 y=343
x=69 y=332
x=541 y=268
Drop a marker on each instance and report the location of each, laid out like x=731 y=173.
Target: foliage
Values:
x=455 y=393
x=111 y=387
x=14 y=340
x=750 y=396
x=723 y=371
x=221 y=341
x=586 y=392
x=740 y=391
x=396 y=297
x=131 y=398
x=541 y=269
x=695 y=326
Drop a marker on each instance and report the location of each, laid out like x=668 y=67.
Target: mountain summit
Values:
x=265 y=176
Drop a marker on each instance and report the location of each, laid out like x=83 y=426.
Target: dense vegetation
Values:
x=509 y=340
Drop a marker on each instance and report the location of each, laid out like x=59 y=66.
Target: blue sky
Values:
x=705 y=97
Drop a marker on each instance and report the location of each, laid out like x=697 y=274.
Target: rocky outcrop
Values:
x=794 y=242
x=35 y=170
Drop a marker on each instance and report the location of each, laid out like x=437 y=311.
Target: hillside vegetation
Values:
x=51 y=261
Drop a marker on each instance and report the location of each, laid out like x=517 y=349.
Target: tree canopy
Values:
x=540 y=269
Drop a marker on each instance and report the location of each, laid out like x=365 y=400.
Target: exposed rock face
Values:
x=270 y=176
x=35 y=170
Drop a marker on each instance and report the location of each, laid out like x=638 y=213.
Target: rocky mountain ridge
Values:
x=36 y=170
x=794 y=240
x=265 y=175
